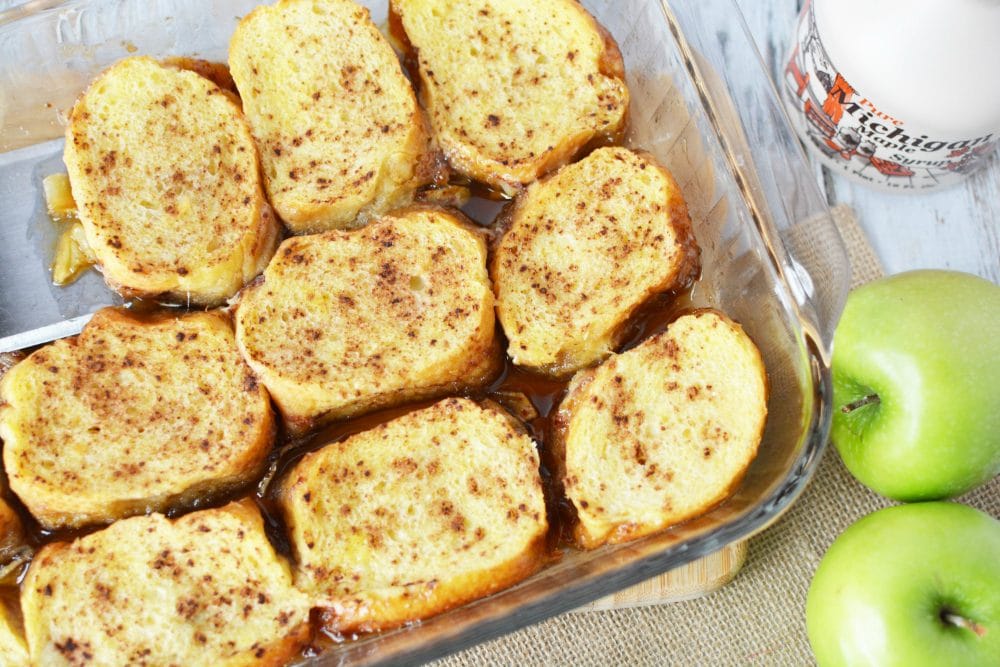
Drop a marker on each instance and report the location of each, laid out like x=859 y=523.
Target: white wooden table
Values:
x=958 y=228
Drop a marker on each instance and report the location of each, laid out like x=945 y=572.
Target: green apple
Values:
x=916 y=384
x=910 y=585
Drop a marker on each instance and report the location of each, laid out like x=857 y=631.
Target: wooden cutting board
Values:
x=684 y=583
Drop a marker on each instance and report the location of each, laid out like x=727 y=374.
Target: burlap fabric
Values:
x=759 y=618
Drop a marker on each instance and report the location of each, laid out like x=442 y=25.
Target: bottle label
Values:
x=850 y=131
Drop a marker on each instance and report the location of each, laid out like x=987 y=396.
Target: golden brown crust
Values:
x=384 y=535
x=581 y=251
x=326 y=165
x=348 y=321
x=576 y=390
x=13 y=647
x=8 y=360
x=661 y=433
x=217 y=73
x=611 y=62
x=493 y=78
x=137 y=414
x=164 y=172
x=205 y=589
x=370 y=613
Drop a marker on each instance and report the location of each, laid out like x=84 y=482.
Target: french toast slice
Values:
x=663 y=432
x=513 y=88
x=136 y=414
x=204 y=589
x=581 y=251
x=341 y=135
x=348 y=321
x=418 y=515
x=164 y=173
x=13 y=646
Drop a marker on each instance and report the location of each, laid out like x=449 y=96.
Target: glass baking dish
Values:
x=771 y=257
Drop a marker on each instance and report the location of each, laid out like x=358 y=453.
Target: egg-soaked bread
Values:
x=513 y=88
x=206 y=589
x=13 y=646
x=418 y=515
x=348 y=321
x=582 y=250
x=136 y=414
x=340 y=131
x=164 y=173
x=661 y=433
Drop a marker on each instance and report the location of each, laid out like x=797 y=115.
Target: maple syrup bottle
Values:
x=898 y=94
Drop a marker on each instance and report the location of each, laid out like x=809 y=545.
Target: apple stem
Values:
x=962 y=622
x=860 y=403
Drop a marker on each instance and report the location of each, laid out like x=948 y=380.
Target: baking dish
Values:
x=771 y=256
